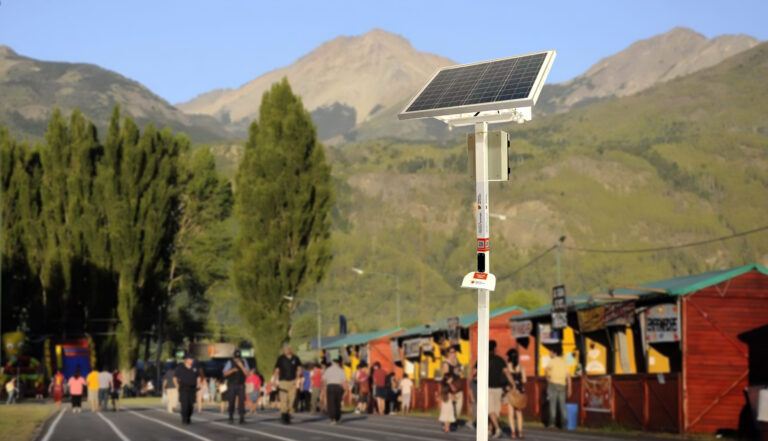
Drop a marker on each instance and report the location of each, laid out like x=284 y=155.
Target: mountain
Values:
x=685 y=160
x=681 y=51
x=31 y=89
x=343 y=82
x=356 y=86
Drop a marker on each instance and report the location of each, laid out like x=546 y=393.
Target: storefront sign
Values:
x=592 y=319
x=559 y=308
x=520 y=329
x=620 y=314
x=597 y=394
x=547 y=335
x=412 y=348
x=662 y=323
x=453 y=330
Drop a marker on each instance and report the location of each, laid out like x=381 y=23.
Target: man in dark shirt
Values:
x=498 y=376
x=236 y=371
x=185 y=380
x=287 y=371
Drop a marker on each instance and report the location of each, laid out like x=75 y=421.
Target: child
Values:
x=447 y=393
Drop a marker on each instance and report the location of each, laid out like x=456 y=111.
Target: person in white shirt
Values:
x=335 y=382
x=406 y=388
x=105 y=386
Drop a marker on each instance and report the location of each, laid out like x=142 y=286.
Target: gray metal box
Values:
x=498 y=159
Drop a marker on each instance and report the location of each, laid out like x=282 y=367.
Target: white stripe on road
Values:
x=244 y=429
x=186 y=432
x=120 y=434
x=300 y=429
x=53 y=426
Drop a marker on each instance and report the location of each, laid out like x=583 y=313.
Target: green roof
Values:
x=677 y=286
x=465 y=321
x=358 y=339
x=680 y=286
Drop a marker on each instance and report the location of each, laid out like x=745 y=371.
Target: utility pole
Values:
x=559 y=252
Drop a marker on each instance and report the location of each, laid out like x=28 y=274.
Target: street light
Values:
x=361 y=272
x=319 y=318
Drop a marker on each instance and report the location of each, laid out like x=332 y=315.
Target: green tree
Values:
x=283 y=200
x=201 y=245
x=139 y=182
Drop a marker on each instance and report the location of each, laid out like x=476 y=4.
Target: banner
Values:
x=620 y=314
x=597 y=394
x=559 y=308
x=592 y=319
x=547 y=335
x=453 y=331
x=412 y=348
x=662 y=323
x=520 y=329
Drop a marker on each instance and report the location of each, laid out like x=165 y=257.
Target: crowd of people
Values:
x=322 y=387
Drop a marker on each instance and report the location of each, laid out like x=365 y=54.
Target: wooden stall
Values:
x=683 y=366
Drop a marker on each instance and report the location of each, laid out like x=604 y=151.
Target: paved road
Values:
x=153 y=423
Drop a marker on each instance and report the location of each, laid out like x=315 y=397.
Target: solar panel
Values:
x=506 y=83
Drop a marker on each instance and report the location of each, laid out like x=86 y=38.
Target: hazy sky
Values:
x=182 y=48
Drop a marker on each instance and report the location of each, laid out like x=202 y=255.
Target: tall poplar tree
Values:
x=138 y=177
x=283 y=200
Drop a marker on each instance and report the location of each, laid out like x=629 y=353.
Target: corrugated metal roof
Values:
x=677 y=286
x=324 y=341
x=465 y=321
x=358 y=339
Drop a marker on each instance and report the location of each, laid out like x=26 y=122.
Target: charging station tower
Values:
x=478 y=94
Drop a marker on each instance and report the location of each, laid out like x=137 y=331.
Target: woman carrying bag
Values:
x=517 y=399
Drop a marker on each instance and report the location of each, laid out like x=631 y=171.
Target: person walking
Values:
x=362 y=380
x=335 y=385
x=212 y=390
x=201 y=389
x=170 y=392
x=516 y=394
x=406 y=391
x=253 y=389
x=380 y=387
x=185 y=382
x=497 y=373
x=287 y=370
x=56 y=389
x=105 y=386
x=305 y=389
x=558 y=386
x=447 y=391
x=92 y=379
x=76 y=385
x=117 y=388
x=235 y=372
x=452 y=365
x=12 y=390
x=316 y=384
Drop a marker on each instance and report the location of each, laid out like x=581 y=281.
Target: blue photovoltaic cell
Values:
x=501 y=80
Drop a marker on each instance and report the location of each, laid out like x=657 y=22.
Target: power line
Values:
x=666 y=248
x=530 y=262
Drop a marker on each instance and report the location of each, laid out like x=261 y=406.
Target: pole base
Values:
x=479 y=281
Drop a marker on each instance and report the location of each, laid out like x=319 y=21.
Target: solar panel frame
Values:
x=514 y=102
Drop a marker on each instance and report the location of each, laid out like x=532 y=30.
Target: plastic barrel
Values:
x=573 y=415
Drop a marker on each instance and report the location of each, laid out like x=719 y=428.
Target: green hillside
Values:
x=681 y=162
x=31 y=89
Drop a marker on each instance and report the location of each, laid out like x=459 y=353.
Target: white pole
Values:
x=483 y=262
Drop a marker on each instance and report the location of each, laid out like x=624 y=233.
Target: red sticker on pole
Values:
x=481 y=276
x=483 y=245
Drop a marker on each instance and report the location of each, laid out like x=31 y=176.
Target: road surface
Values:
x=153 y=423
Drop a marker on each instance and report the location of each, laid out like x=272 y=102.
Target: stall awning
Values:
x=680 y=286
x=359 y=339
x=465 y=321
